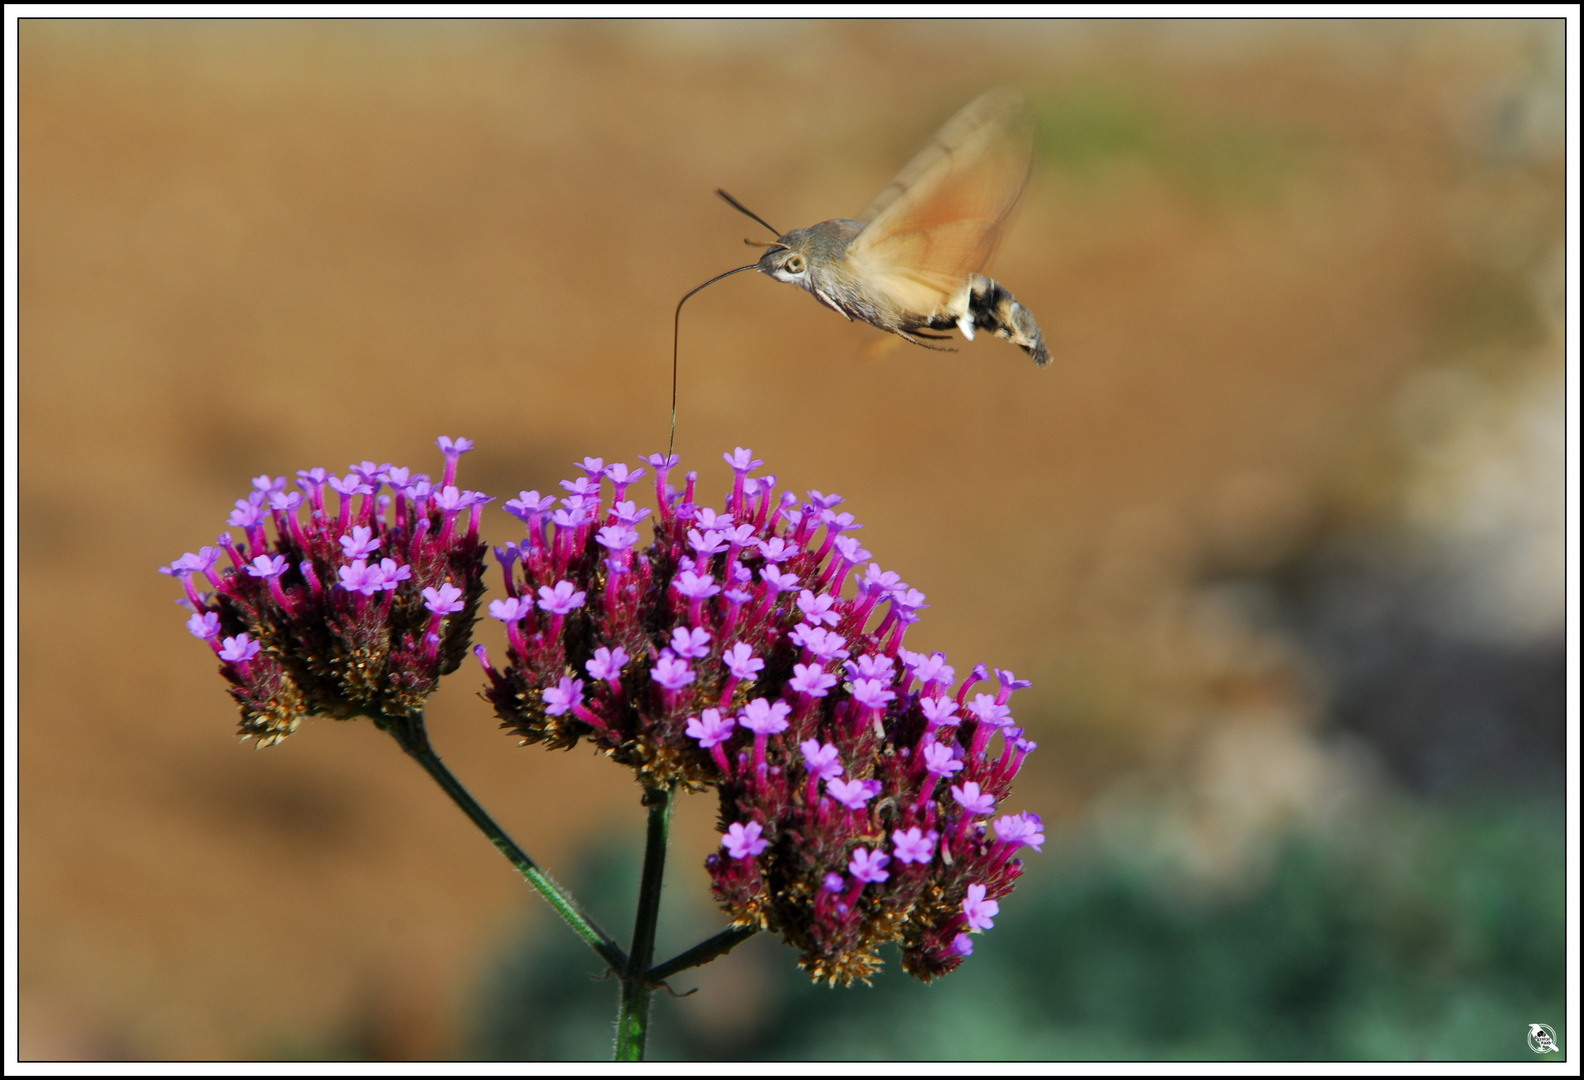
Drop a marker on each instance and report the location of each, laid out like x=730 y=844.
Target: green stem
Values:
x=632 y=1022
x=702 y=953
x=410 y=733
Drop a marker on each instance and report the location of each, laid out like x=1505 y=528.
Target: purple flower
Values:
x=764 y=717
x=853 y=794
x=872 y=667
x=510 y=610
x=811 y=679
x=969 y=797
x=361 y=578
x=266 y=566
x=696 y=586
x=940 y=712
x=741 y=662
x=706 y=543
x=710 y=520
x=869 y=866
x=987 y=711
x=710 y=728
x=938 y=759
x=914 y=845
x=776 y=550
x=453 y=447
x=825 y=645
x=617 y=537
x=565 y=695
x=445 y=600
x=743 y=841
x=249 y=512
x=561 y=599
x=266 y=484
x=607 y=664
x=823 y=761
x=392 y=575
x=671 y=673
x=778 y=581
x=361 y=544
x=849 y=548
x=980 y=912
x=528 y=504
x=962 y=945
x=934 y=668
x=286 y=501
x=239 y=649
x=834 y=882
x=1024 y=828
x=627 y=513
x=693 y=644
x=817 y=609
x=594 y=467
x=742 y=461
x=878 y=580
x=204 y=626
x=871 y=693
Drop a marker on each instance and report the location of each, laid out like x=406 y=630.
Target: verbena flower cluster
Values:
x=859 y=782
x=344 y=606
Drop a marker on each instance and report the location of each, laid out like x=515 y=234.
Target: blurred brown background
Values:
x=1302 y=281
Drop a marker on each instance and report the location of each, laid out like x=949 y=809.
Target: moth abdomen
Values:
x=992 y=307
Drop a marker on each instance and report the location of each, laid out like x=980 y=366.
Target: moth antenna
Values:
x=676 y=330
x=740 y=208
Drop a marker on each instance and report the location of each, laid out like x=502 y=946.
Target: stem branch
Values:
x=702 y=953
x=410 y=734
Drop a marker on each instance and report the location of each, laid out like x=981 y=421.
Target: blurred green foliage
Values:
x=1090 y=128
x=1416 y=933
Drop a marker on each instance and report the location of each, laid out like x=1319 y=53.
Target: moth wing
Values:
x=940 y=220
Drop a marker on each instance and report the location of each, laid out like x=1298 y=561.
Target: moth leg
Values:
x=905 y=336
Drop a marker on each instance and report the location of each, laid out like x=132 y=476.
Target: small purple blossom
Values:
x=741 y=662
x=606 y=664
x=561 y=599
x=934 y=668
x=777 y=580
x=392 y=575
x=1024 y=828
x=266 y=566
x=824 y=644
x=980 y=912
x=764 y=717
x=204 y=626
x=617 y=537
x=744 y=841
x=628 y=513
x=742 y=460
x=239 y=649
x=694 y=644
x=871 y=693
x=696 y=586
x=972 y=800
x=940 y=712
x=940 y=759
x=834 y=882
x=811 y=679
x=564 y=696
x=987 y=711
x=962 y=945
x=879 y=667
x=853 y=794
x=914 y=845
x=445 y=600
x=823 y=760
x=869 y=866
x=670 y=672
x=361 y=578
x=512 y=609
x=710 y=728
x=817 y=609
x=776 y=550
x=360 y=544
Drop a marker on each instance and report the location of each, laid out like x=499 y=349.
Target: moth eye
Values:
x=794 y=265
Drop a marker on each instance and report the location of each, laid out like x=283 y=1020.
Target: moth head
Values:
x=785 y=261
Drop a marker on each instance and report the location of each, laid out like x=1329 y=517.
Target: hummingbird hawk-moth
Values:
x=910 y=263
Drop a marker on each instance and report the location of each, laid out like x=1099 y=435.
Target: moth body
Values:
x=911 y=262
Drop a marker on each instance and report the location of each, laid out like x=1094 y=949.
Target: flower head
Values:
x=723 y=652
x=309 y=623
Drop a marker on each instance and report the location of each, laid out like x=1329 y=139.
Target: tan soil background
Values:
x=261 y=247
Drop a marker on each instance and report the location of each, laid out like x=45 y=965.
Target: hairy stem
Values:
x=632 y=1021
